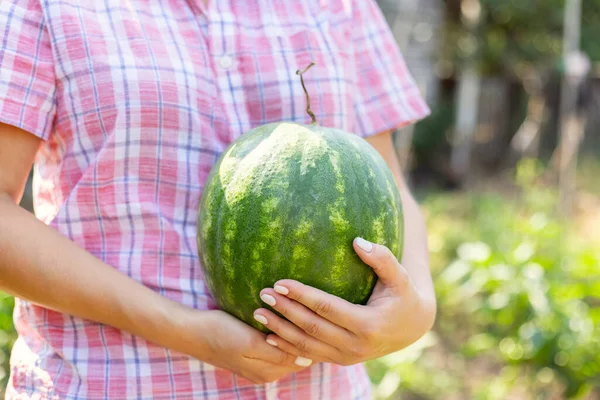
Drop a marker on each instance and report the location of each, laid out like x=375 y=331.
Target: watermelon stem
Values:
x=308 y=111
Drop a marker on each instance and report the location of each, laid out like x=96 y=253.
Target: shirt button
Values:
x=226 y=62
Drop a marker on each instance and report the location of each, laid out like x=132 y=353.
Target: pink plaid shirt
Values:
x=134 y=100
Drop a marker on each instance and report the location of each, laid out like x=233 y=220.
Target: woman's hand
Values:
x=323 y=327
x=221 y=340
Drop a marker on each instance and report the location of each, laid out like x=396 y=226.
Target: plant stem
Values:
x=308 y=111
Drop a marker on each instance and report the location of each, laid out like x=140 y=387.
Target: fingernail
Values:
x=303 y=362
x=261 y=319
x=281 y=289
x=272 y=342
x=365 y=245
x=267 y=298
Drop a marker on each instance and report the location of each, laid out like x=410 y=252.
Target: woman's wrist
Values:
x=178 y=327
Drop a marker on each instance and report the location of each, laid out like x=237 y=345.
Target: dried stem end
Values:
x=308 y=111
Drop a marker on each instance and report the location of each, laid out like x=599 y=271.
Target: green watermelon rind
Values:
x=285 y=201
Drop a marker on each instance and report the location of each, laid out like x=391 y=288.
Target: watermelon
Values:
x=285 y=201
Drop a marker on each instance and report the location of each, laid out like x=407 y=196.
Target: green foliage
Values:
x=519 y=312
x=591 y=28
x=432 y=132
x=513 y=35
x=7 y=337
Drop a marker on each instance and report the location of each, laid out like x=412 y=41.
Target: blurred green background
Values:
x=506 y=169
x=518 y=293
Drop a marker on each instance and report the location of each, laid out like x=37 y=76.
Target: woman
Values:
x=124 y=106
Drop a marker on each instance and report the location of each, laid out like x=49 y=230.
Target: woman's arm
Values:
x=40 y=265
x=415 y=257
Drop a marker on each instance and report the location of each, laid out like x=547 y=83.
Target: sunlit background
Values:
x=507 y=169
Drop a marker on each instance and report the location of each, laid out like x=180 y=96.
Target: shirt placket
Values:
x=222 y=31
x=222 y=38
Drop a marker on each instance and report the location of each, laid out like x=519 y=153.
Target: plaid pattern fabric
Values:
x=135 y=99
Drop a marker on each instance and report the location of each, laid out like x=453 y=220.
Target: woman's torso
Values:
x=148 y=93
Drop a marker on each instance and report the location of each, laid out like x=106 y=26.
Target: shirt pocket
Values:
x=319 y=29
x=299 y=33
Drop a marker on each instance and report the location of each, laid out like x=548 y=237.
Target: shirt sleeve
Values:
x=27 y=77
x=387 y=96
